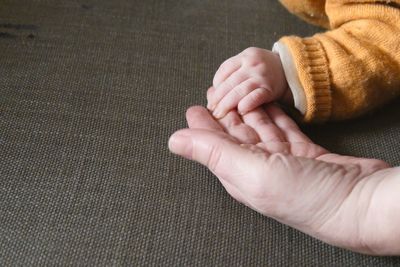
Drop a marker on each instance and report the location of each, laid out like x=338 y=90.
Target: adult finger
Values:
x=199 y=118
x=288 y=127
x=259 y=120
x=234 y=126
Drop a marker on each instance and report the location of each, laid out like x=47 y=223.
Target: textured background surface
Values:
x=90 y=92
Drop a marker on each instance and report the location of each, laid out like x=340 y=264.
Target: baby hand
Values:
x=248 y=80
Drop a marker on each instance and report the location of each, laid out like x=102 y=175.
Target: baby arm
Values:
x=353 y=68
x=340 y=74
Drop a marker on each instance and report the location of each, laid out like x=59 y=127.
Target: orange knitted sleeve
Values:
x=312 y=11
x=353 y=68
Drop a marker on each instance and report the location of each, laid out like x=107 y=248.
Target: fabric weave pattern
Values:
x=90 y=92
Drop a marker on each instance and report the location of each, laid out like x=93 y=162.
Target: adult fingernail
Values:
x=181 y=144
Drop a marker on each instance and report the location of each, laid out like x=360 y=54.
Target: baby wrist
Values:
x=295 y=90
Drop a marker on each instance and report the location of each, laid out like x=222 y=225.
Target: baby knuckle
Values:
x=228 y=84
x=263 y=81
x=262 y=68
x=252 y=100
x=227 y=64
x=251 y=51
x=240 y=91
x=248 y=59
x=253 y=84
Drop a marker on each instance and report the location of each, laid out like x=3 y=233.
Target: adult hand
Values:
x=264 y=161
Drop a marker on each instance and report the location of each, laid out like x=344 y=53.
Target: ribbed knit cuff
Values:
x=313 y=71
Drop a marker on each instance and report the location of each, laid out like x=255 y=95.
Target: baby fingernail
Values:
x=218 y=114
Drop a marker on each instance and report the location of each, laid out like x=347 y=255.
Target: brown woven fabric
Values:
x=90 y=92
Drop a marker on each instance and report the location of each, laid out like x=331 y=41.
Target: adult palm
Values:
x=264 y=161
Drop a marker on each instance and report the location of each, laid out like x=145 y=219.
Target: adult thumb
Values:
x=228 y=160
